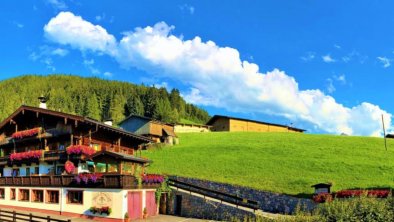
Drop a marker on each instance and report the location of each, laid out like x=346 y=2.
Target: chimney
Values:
x=43 y=102
x=108 y=122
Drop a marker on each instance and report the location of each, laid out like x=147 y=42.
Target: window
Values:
x=38 y=196
x=101 y=167
x=36 y=170
x=112 y=168
x=27 y=171
x=75 y=197
x=59 y=170
x=24 y=195
x=12 y=194
x=15 y=172
x=2 y=193
x=52 y=196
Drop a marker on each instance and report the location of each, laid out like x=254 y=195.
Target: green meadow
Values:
x=280 y=162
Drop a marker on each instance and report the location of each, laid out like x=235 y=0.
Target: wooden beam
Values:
x=65 y=121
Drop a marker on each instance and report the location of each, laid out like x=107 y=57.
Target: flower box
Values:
x=29 y=155
x=26 y=133
x=80 y=149
x=152 y=179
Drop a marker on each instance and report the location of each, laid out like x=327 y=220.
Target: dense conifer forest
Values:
x=97 y=98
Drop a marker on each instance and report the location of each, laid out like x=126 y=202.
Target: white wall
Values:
x=119 y=200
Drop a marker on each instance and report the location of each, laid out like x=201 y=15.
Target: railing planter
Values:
x=80 y=149
x=27 y=133
x=34 y=155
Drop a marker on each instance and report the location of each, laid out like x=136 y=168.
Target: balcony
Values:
x=112 y=181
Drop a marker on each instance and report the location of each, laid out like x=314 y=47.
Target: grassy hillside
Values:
x=279 y=162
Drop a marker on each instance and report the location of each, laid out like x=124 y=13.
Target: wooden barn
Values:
x=156 y=130
x=191 y=128
x=234 y=124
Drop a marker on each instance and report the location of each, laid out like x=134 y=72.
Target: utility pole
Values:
x=384 y=133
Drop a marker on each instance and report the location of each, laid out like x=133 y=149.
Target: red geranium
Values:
x=80 y=149
x=26 y=133
x=35 y=154
x=69 y=166
x=357 y=193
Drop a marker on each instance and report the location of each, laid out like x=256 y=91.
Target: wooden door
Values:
x=134 y=205
x=151 y=206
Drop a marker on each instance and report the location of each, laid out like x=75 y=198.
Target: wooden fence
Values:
x=12 y=216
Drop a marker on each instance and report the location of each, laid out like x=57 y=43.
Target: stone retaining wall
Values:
x=198 y=207
x=267 y=201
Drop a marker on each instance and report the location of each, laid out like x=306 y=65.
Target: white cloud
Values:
x=187 y=8
x=354 y=55
x=45 y=53
x=308 y=57
x=330 y=86
x=216 y=76
x=89 y=64
x=341 y=78
x=108 y=74
x=100 y=17
x=328 y=59
x=18 y=24
x=337 y=46
x=385 y=61
x=57 y=4
x=68 y=29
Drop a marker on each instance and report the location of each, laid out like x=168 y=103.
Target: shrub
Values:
x=362 y=208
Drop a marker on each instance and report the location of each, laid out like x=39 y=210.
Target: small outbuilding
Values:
x=156 y=130
x=322 y=188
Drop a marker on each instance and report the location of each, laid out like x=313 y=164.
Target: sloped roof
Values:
x=145 y=118
x=73 y=117
x=215 y=117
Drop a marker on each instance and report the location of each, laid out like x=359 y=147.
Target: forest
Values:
x=97 y=98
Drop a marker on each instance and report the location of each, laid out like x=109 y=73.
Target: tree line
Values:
x=97 y=98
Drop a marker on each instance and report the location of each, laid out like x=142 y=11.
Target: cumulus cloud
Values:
x=328 y=59
x=385 y=61
x=68 y=29
x=216 y=76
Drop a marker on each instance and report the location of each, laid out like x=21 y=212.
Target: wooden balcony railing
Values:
x=115 y=181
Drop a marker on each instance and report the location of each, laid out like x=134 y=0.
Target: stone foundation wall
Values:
x=267 y=201
x=198 y=207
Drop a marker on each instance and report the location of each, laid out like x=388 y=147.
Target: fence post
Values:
x=31 y=217
x=48 y=219
x=14 y=216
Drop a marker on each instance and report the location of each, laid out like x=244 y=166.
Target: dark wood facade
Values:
x=57 y=131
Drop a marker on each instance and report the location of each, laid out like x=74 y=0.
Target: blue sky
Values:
x=322 y=65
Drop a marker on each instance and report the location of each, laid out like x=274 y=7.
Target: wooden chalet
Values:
x=56 y=162
x=234 y=124
x=156 y=130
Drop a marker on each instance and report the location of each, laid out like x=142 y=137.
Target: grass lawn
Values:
x=280 y=162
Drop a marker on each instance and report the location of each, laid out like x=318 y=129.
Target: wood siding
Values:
x=235 y=125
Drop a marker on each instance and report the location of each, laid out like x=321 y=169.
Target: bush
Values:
x=362 y=208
